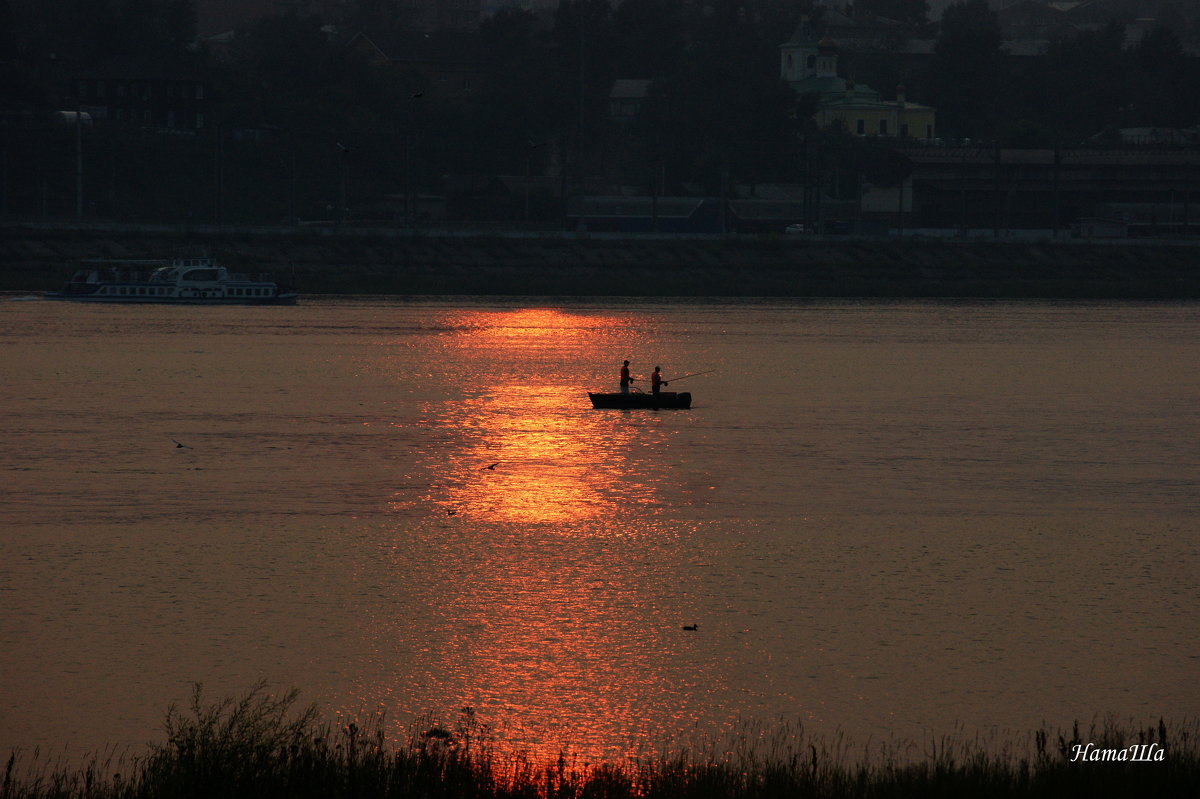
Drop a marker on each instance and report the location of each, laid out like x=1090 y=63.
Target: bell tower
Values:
x=826 y=61
x=798 y=55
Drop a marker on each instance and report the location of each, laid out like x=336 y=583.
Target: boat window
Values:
x=201 y=274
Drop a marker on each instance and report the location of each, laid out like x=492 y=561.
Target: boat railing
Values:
x=119 y=275
x=158 y=271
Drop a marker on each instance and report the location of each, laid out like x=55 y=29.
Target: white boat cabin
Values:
x=180 y=279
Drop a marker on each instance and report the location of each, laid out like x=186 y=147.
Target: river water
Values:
x=888 y=521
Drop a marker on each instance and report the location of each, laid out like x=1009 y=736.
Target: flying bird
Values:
x=493 y=466
x=180 y=445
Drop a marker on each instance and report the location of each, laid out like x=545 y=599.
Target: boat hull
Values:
x=280 y=299
x=173 y=281
x=665 y=399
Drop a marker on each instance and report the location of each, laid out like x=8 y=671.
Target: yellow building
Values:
x=810 y=67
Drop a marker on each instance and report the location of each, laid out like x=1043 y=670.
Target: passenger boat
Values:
x=663 y=399
x=190 y=281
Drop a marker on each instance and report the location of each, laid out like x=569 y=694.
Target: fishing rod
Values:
x=693 y=374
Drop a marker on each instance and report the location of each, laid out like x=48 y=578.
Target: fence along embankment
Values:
x=386 y=262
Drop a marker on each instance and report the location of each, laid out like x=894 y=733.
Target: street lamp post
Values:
x=344 y=150
x=78 y=161
x=528 y=175
x=410 y=197
x=218 y=174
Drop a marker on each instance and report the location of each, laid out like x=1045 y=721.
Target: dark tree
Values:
x=724 y=116
x=912 y=12
x=1086 y=83
x=650 y=37
x=583 y=34
x=179 y=21
x=1163 y=82
x=965 y=74
x=522 y=103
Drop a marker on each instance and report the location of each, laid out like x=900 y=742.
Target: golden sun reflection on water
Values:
x=554 y=649
x=543 y=466
x=552 y=459
x=550 y=632
x=529 y=327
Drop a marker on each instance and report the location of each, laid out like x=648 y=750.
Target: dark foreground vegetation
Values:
x=263 y=746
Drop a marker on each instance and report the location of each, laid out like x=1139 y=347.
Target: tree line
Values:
x=717 y=112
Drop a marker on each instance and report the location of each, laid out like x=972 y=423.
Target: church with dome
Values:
x=810 y=66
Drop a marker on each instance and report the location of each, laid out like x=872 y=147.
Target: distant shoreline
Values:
x=38 y=257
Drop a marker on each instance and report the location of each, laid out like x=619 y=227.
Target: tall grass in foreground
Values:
x=263 y=746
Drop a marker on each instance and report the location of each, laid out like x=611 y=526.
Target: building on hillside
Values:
x=1034 y=19
x=1053 y=19
x=811 y=67
x=438 y=15
x=864 y=32
x=625 y=99
x=1153 y=189
x=216 y=17
x=143 y=92
x=445 y=64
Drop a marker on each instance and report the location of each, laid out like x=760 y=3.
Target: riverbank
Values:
x=262 y=745
x=374 y=261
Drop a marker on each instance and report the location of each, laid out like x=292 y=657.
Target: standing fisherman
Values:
x=625 y=378
x=656 y=380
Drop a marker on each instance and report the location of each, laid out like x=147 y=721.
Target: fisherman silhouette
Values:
x=656 y=381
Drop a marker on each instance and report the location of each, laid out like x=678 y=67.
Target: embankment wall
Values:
x=39 y=258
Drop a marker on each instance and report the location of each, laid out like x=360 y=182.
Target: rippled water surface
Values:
x=888 y=520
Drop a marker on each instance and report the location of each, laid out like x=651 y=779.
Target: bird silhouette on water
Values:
x=492 y=467
x=180 y=445
x=691 y=627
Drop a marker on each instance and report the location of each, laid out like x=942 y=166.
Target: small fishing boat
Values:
x=180 y=281
x=663 y=399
